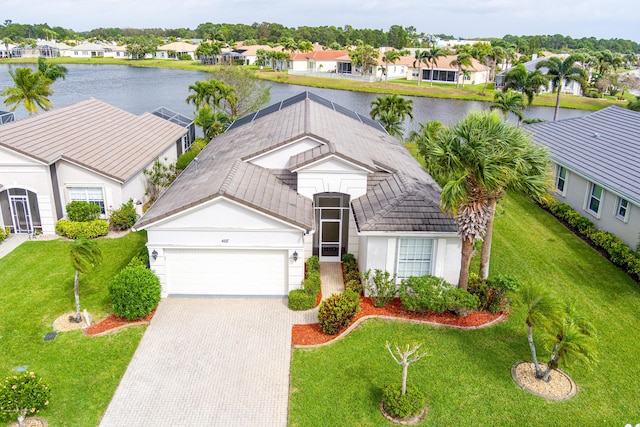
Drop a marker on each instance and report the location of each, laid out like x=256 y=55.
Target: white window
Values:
x=622 y=209
x=414 y=257
x=88 y=194
x=595 y=199
x=561 y=180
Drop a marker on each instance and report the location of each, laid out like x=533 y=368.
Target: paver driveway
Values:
x=208 y=362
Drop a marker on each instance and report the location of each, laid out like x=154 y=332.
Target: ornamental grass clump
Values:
x=21 y=395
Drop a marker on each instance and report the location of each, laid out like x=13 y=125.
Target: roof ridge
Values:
x=229 y=177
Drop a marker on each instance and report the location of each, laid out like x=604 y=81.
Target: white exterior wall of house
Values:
x=332 y=175
x=18 y=171
x=326 y=66
x=230 y=228
x=576 y=194
x=279 y=158
x=299 y=65
x=379 y=251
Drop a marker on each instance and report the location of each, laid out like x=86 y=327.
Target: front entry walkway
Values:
x=208 y=362
x=331 y=278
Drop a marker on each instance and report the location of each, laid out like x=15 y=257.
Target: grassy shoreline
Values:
x=398 y=87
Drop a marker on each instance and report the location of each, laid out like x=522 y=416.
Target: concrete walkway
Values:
x=12 y=242
x=331 y=278
x=208 y=362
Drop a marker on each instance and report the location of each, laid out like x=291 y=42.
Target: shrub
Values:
x=186 y=158
x=350 y=275
x=460 y=301
x=425 y=293
x=504 y=283
x=87 y=230
x=402 y=406
x=355 y=286
x=123 y=218
x=299 y=299
x=381 y=287
x=22 y=394
x=83 y=211
x=495 y=302
x=185 y=57
x=311 y=284
x=348 y=258
x=313 y=264
x=4 y=233
x=134 y=292
x=337 y=311
x=479 y=288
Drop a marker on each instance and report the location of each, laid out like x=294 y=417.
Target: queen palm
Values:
x=420 y=57
x=432 y=56
x=462 y=60
x=85 y=256
x=521 y=80
x=390 y=57
x=391 y=111
x=31 y=88
x=509 y=102
x=559 y=72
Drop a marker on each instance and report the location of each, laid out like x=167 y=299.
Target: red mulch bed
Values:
x=312 y=334
x=112 y=322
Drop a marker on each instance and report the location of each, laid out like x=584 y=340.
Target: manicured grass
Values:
x=466 y=377
x=37 y=287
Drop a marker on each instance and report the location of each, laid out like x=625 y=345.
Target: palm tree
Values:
x=7 y=41
x=420 y=57
x=51 y=71
x=540 y=306
x=432 y=56
x=521 y=80
x=31 y=89
x=210 y=93
x=305 y=46
x=509 y=102
x=559 y=72
x=496 y=54
x=212 y=122
x=462 y=60
x=201 y=95
x=391 y=111
x=85 y=256
x=391 y=56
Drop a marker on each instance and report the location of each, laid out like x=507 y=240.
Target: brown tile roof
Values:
x=403 y=197
x=94 y=135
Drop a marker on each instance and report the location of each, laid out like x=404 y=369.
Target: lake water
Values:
x=138 y=90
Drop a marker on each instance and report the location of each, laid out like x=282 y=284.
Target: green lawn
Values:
x=36 y=287
x=466 y=377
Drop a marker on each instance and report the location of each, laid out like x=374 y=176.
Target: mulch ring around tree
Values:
x=32 y=422
x=559 y=387
x=312 y=335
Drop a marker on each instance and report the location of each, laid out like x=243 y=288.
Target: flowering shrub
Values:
x=21 y=395
x=123 y=218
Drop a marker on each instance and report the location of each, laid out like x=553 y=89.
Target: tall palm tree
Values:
x=305 y=46
x=540 y=307
x=496 y=55
x=462 y=60
x=7 y=41
x=521 y=80
x=420 y=57
x=212 y=122
x=51 y=71
x=85 y=256
x=210 y=93
x=432 y=56
x=559 y=72
x=390 y=57
x=509 y=102
x=31 y=89
x=391 y=111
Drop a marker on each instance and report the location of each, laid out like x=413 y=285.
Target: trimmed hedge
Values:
x=134 y=292
x=82 y=211
x=337 y=311
x=87 y=230
x=618 y=252
x=305 y=298
x=300 y=300
x=431 y=293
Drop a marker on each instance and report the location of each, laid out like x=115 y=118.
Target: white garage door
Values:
x=226 y=272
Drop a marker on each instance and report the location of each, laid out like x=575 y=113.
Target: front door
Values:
x=20 y=214
x=332 y=214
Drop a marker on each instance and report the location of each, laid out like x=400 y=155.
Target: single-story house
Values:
x=301 y=177
x=323 y=61
x=597 y=167
x=87 y=50
x=444 y=72
x=572 y=88
x=88 y=151
x=175 y=50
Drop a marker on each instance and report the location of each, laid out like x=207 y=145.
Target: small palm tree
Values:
x=461 y=61
x=391 y=111
x=559 y=72
x=85 y=256
x=521 y=80
x=51 y=71
x=32 y=89
x=390 y=57
x=212 y=122
x=509 y=102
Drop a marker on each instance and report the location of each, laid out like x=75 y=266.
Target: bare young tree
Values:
x=405 y=358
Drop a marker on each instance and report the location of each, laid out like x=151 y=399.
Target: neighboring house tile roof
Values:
x=320 y=55
x=404 y=197
x=94 y=47
x=94 y=135
x=179 y=47
x=603 y=146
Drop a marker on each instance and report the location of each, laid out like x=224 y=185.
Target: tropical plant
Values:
x=212 y=122
x=381 y=286
x=521 y=80
x=509 y=102
x=420 y=57
x=423 y=137
x=432 y=56
x=634 y=104
x=250 y=93
x=462 y=60
x=390 y=57
x=51 y=71
x=364 y=56
x=391 y=111
x=560 y=72
x=85 y=256
x=31 y=88
x=134 y=292
x=23 y=393
x=158 y=177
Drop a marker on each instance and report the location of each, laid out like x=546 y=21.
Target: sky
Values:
x=459 y=18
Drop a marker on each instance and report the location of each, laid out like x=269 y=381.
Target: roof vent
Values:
x=195 y=160
x=596 y=135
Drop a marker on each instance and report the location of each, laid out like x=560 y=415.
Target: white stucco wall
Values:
x=332 y=175
x=279 y=158
x=380 y=252
x=71 y=175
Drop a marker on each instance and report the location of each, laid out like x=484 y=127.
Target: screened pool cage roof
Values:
x=6 y=117
x=172 y=116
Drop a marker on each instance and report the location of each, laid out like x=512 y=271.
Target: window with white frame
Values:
x=561 y=180
x=595 y=199
x=622 y=209
x=414 y=257
x=93 y=195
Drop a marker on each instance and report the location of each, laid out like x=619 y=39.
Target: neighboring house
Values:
x=596 y=161
x=88 y=151
x=44 y=48
x=176 y=50
x=245 y=54
x=87 y=50
x=323 y=61
x=301 y=177
x=444 y=72
x=572 y=88
x=114 y=51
